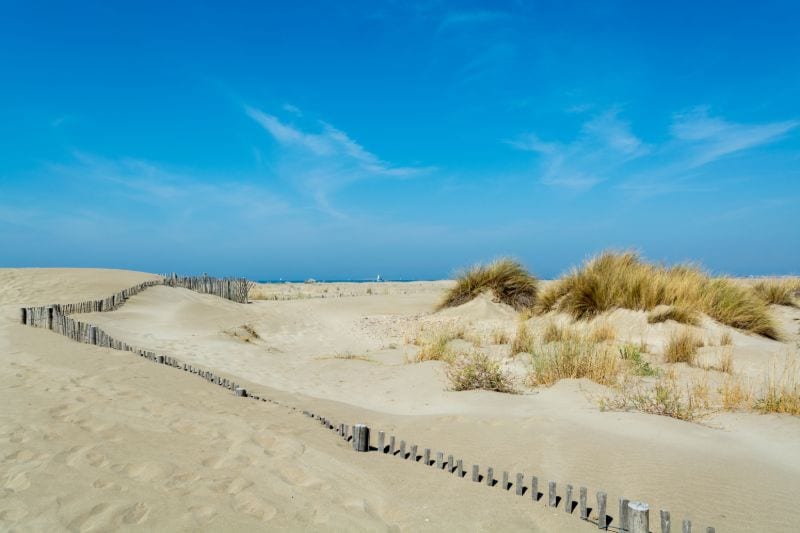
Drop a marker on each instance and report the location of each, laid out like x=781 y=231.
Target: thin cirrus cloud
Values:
x=604 y=144
x=606 y=148
x=320 y=163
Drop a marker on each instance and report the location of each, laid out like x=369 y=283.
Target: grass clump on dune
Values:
x=778 y=292
x=476 y=370
x=682 y=347
x=506 y=278
x=523 y=341
x=573 y=357
x=676 y=313
x=622 y=280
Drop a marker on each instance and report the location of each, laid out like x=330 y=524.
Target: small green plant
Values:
x=476 y=370
x=639 y=367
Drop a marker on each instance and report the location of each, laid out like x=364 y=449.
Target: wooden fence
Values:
x=633 y=516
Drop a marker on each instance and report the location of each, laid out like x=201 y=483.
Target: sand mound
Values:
x=483 y=307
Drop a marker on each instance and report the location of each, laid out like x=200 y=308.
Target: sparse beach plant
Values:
x=602 y=332
x=781 y=393
x=500 y=336
x=664 y=398
x=554 y=332
x=735 y=394
x=639 y=367
x=726 y=339
x=510 y=282
x=476 y=370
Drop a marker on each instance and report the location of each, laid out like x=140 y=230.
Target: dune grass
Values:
x=781 y=393
x=682 y=347
x=506 y=278
x=524 y=340
x=574 y=356
x=476 y=370
x=778 y=292
x=614 y=280
x=677 y=313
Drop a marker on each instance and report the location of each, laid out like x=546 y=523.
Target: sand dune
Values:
x=97 y=439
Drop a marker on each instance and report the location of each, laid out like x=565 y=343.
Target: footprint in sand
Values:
x=135 y=514
x=250 y=504
x=17 y=482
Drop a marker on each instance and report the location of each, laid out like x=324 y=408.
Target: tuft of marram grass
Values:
x=682 y=347
x=506 y=278
x=677 y=313
x=476 y=370
x=614 y=280
x=573 y=357
x=523 y=341
x=781 y=393
x=778 y=292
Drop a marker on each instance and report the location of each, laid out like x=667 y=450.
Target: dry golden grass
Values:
x=476 y=370
x=726 y=362
x=523 y=340
x=602 y=332
x=622 y=280
x=735 y=394
x=778 y=292
x=781 y=393
x=554 y=332
x=682 y=347
x=500 y=336
x=675 y=312
x=574 y=357
x=726 y=339
x=506 y=278
x=433 y=344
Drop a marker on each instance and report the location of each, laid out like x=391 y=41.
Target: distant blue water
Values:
x=338 y=280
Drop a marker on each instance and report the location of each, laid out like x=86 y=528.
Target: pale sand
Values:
x=94 y=437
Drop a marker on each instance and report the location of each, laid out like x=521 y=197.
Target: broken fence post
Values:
x=665 y=522
x=638 y=517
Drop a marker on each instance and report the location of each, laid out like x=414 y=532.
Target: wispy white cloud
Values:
x=605 y=142
x=326 y=160
x=606 y=148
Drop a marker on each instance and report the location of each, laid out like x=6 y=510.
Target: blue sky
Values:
x=349 y=139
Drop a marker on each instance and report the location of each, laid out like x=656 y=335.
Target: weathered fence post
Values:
x=450 y=463
x=439 y=460
x=426 y=456
x=460 y=468
x=520 y=484
x=49 y=318
x=475 y=473
x=490 y=476
x=391 y=445
x=382 y=441
x=551 y=493
x=602 y=517
x=584 y=504
x=241 y=392
x=665 y=522
x=535 y=488
x=623 y=514
x=687 y=526
x=23 y=315
x=413 y=455
x=568 y=500
x=402 y=449
x=360 y=438
x=505 y=480
x=638 y=517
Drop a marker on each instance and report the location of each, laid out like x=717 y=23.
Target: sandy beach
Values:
x=97 y=439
